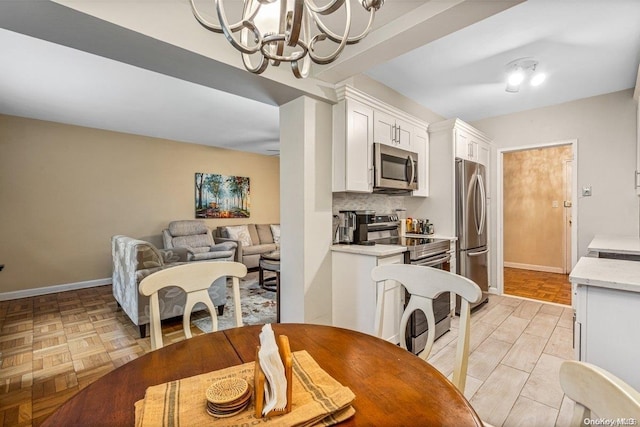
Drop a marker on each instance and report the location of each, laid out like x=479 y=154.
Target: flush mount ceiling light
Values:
x=521 y=70
x=281 y=31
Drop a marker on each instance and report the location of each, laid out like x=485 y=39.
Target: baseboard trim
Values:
x=6 y=296
x=543 y=268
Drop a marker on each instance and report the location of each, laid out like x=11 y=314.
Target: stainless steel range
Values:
x=424 y=251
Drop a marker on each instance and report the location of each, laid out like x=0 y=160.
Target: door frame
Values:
x=500 y=208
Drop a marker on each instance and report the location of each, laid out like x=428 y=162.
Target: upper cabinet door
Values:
x=405 y=133
x=384 y=128
x=421 y=146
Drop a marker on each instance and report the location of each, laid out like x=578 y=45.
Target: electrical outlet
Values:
x=554 y=204
x=586 y=191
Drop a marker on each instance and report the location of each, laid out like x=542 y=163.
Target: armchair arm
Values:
x=170 y=256
x=220 y=240
x=224 y=246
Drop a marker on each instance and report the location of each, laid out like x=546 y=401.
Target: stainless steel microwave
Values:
x=395 y=169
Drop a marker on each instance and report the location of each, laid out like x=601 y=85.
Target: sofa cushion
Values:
x=219 y=255
x=259 y=249
x=264 y=233
x=197 y=242
x=255 y=239
x=187 y=227
x=241 y=234
x=275 y=231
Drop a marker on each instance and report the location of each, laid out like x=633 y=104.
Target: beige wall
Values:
x=533 y=227
x=605 y=128
x=65 y=190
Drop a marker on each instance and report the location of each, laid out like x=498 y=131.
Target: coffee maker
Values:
x=353 y=227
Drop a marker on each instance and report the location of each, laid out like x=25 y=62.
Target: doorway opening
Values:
x=536 y=221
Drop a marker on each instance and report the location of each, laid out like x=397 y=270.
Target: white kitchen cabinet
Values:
x=359 y=120
x=354 y=294
x=421 y=146
x=352 y=147
x=637 y=183
x=392 y=130
x=606 y=297
x=471 y=147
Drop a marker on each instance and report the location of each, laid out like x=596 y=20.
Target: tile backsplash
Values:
x=381 y=203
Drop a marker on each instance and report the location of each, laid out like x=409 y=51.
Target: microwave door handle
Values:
x=413 y=169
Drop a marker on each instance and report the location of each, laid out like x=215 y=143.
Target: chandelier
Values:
x=276 y=31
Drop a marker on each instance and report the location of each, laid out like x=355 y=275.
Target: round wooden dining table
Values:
x=392 y=387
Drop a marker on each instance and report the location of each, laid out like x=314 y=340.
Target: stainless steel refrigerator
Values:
x=472 y=252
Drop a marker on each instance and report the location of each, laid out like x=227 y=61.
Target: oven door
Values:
x=416 y=333
x=440 y=261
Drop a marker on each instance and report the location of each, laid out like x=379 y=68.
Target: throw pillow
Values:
x=241 y=234
x=275 y=230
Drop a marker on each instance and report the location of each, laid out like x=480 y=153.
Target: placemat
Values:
x=317 y=399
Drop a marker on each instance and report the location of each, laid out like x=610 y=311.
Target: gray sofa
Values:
x=260 y=236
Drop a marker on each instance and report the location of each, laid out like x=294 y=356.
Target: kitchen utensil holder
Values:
x=259 y=379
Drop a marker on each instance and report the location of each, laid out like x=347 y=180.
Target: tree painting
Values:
x=222 y=196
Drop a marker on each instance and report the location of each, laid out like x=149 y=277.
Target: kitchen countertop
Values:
x=607 y=273
x=431 y=236
x=615 y=244
x=375 y=250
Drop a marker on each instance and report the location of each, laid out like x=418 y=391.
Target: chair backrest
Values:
x=425 y=284
x=194 y=278
x=597 y=390
x=192 y=233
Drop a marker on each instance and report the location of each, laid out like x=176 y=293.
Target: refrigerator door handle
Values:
x=478 y=253
x=483 y=204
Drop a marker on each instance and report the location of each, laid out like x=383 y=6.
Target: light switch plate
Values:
x=586 y=191
x=554 y=204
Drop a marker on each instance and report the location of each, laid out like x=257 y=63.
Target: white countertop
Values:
x=607 y=273
x=374 y=250
x=615 y=244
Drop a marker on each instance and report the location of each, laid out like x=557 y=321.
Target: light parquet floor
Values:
x=54 y=345
x=538 y=285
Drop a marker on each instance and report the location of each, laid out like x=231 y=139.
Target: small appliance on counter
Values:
x=353 y=227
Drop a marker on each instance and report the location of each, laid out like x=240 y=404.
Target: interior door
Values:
x=568 y=220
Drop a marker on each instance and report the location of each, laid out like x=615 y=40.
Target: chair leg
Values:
x=143 y=330
x=260 y=277
x=220 y=310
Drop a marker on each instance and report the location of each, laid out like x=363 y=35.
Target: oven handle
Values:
x=432 y=262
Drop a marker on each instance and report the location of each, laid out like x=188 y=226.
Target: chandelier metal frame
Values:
x=294 y=32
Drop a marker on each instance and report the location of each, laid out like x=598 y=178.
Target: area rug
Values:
x=258 y=306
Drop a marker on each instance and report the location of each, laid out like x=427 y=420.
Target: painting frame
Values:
x=222 y=196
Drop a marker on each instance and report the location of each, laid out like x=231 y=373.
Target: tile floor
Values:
x=516 y=348
x=54 y=345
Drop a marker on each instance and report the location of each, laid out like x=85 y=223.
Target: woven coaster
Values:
x=227 y=391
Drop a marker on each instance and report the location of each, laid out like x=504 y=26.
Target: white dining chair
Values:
x=595 y=390
x=424 y=284
x=194 y=279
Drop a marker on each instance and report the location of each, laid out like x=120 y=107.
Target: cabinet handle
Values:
x=392 y=133
x=637 y=175
x=399 y=134
x=470 y=150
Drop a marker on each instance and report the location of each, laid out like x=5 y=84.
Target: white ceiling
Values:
x=587 y=47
